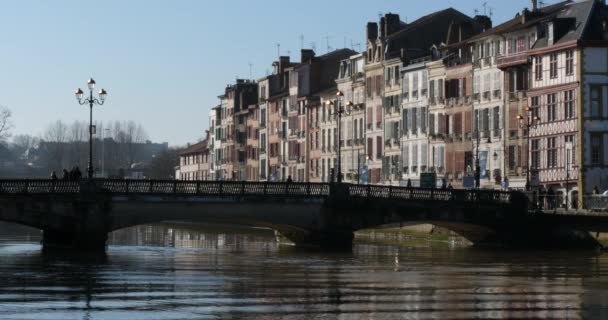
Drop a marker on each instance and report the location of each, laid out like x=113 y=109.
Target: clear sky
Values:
x=165 y=62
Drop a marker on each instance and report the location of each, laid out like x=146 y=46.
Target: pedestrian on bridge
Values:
x=53 y=176
x=289 y=179
x=66 y=175
x=551 y=201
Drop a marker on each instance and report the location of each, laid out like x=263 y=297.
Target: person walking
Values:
x=541 y=197
x=289 y=179
x=53 y=176
x=443 y=183
x=66 y=175
x=409 y=183
x=551 y=199
x=77 y=174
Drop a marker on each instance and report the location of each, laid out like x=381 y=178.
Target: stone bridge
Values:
x=81 y=213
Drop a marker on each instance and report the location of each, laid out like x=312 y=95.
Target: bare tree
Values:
x=163 y=165
x=5 y=123
x=22 y=143
x=54 y=144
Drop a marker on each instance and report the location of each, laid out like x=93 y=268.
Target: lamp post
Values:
x=531 y=120
x=91 y=101
x=477 y=165
x=338 y=110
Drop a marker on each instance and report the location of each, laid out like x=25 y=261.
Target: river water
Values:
x=168 y=272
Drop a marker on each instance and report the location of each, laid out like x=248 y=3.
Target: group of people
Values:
x=74 y=174
x=546 y=198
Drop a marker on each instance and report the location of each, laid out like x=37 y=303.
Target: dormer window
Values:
x=550 y=33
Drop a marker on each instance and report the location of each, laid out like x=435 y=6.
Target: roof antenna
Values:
x=485 y=6
x=329 y=48
x=491 y=12
x=353 y=45
x=313 y=46
x=476 y=12
x=345 y=42
x=542 y=3
x=250 y=70
x=278 y=50
x=302 y=41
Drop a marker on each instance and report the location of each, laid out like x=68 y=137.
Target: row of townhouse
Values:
x=525 y=101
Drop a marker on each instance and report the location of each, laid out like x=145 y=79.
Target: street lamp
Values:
x=477 y=165
x=530 y=121
x=338 y=110
x=91 y=101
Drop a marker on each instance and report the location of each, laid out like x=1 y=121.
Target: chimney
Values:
x=307 y=55
x=283 y=63
x=382 y=27
x=534 y=5
x=372 y=31
x=484 y=21
x=392 y=23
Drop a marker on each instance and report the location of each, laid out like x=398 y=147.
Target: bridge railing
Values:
x=462 y=195
x=241 y=188
x=38 y=186
x=217 y=188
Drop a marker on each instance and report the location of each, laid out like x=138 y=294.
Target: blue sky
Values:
x=165 y=62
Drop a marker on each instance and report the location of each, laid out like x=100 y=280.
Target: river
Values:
x=169 y=272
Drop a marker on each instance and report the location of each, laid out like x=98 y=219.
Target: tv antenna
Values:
x=313 y=46
x=301 y=41
x=278 y=49
x=327 y=43
x=353 y=45
x=250 y=70
x=485 y=6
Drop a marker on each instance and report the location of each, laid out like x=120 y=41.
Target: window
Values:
x=551 y=153
x=512 y=162
x=534 y=105
x=569 y=104
x=597 y=152
x=571 y=158
x=370 y=148
x=378 y=147
x=553 y=65
x=535 y=153
x=396 y=75
x=496 y=121
x=569 y=62
x=551 y=107
x=538 y=68
x=596 y=101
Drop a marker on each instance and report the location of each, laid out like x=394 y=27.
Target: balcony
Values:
x=486 y=95
x=496 y=94
x=517 y=96
x=512 y=60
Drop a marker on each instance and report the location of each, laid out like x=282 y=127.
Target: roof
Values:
x=571 y=23
x=199 y=147
x=420 y=35
x=515 y=23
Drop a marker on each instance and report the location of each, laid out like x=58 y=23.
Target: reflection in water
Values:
x=165 y=272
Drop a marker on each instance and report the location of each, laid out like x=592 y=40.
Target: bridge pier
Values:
x=83 y=225
x=74 y=240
